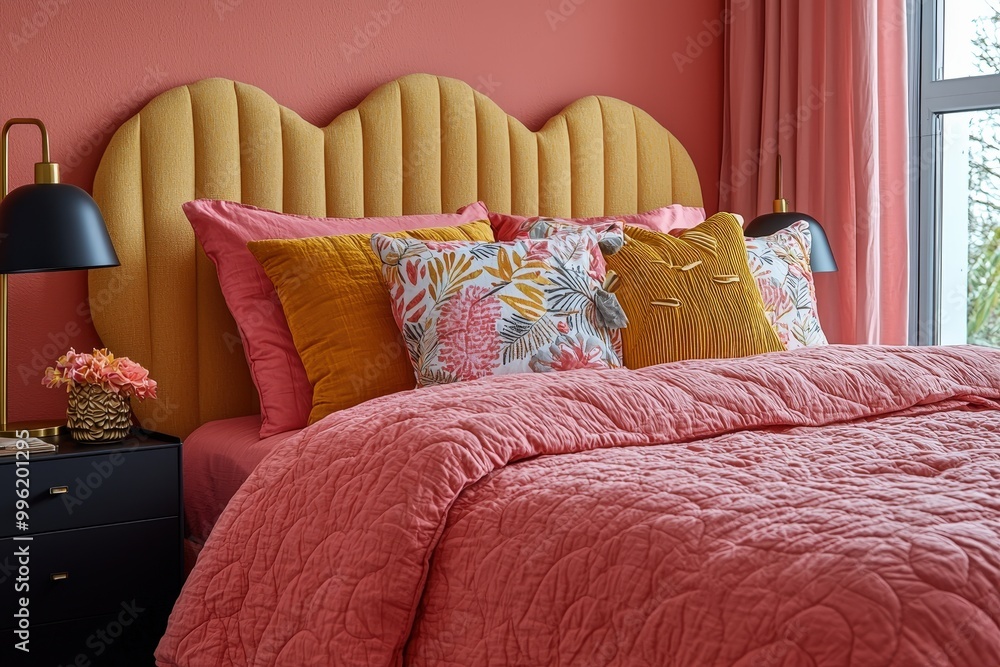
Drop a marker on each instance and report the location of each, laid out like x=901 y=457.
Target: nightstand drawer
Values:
x=123 y=639
x=92 y=571
x=81 y=491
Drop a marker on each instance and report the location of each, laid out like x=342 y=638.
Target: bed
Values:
x=828 y=506
x=227 y=140
x=218 y=457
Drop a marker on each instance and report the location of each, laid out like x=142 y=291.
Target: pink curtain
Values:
x=824 y=84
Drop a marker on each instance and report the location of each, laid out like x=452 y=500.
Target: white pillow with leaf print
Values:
x=610 y=236
x=469 y=310
x=780 y=264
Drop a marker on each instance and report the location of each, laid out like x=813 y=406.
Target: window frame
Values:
x=930 y=97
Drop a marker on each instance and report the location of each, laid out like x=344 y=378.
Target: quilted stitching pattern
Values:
x=829 y=506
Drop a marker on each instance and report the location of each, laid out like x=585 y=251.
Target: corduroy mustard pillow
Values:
x=690 y=296
x=339 y=313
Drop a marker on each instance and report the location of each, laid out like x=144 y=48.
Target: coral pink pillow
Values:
x=507 y=227
x=224 y=228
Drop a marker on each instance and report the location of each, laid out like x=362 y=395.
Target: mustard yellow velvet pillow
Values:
x=339 y=313
x=690 y=296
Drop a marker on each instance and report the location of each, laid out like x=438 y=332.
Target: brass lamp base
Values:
x=35 y=429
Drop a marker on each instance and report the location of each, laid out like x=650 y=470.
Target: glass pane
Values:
x=971 y=38
x=970 y=229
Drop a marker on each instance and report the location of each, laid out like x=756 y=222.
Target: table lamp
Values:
x=45 y=226
x=821 y=258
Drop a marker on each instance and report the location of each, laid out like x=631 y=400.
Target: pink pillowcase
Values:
x=667 y=219
x=224 y=228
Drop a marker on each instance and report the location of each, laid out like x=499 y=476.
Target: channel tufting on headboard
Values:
x=420 y=144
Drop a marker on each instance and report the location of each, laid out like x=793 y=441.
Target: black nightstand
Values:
x=106 y=552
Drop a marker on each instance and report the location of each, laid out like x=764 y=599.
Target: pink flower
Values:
x=119 y=375
x=568 y=353
x=53 y=378
x=135 y=376
x=115 y=381
x=467 y=332
x=102 y=358
x=68 y=359
x=84 y=375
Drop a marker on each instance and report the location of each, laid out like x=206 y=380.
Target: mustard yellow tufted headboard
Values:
x=419 y=144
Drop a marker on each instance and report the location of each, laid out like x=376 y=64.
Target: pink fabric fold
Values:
x=223 y=228
x=824 y=84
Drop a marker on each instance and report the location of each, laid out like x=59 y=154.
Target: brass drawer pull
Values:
x=59 y=576
x=56 y=490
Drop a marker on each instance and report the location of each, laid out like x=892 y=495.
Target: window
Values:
x=956 y=266
x=968 y=35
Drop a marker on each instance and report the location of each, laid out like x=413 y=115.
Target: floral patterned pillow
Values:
x=780 y=264
x=468 y=310
x=610 y=235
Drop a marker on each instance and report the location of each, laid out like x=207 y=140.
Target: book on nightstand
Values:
x=10 y=446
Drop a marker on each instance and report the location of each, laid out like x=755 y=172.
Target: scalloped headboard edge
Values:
x=419 y=144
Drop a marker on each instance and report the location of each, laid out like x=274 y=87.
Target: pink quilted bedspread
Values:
x=829 y=506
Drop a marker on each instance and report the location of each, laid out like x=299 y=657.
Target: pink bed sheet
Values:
x=218 y=457
x=825 y=507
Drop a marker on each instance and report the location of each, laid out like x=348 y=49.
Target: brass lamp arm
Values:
x=45 y=148
x=45 y=172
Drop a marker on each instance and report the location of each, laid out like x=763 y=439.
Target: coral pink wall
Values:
x=85 y=67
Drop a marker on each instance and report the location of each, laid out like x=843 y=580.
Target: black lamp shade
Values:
x=52 y=227
x=821 y=258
